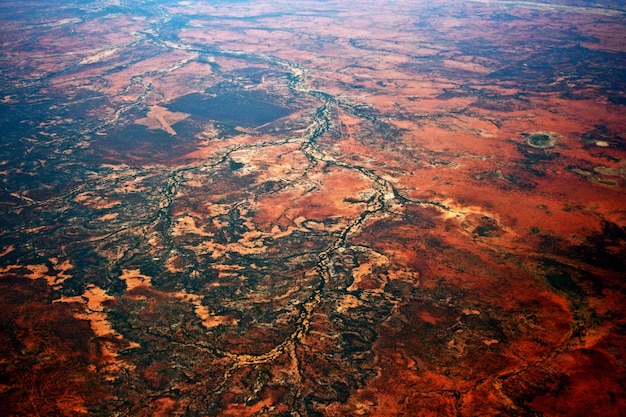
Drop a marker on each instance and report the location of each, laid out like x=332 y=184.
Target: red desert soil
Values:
x=313 y=208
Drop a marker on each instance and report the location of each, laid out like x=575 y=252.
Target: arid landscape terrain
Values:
x=313 y=208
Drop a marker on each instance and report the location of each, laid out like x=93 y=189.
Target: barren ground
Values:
x=312 y=208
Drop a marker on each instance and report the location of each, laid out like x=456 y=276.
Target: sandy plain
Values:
x=369 y=227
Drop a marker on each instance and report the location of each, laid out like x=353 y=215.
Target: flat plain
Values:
x=312 y=208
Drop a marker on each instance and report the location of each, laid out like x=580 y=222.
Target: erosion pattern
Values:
x=312 y=208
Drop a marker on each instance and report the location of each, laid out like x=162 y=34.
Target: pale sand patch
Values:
x=250 y=243
x=115 y=167
x=404 y=274
x=218 y=251
x=131 y=187
x=63 y=267
x=227 y=271
x=23 y=197
x=170 y=264
x=8 y=250
x=99 y=56
x=95 y=201
x=465 y=66
x=134 y=278
x=29 y=271
x=187 y=225
x=365 y=269
x=106 y=217
x=93 y=300
x=349 y=301
x=456 y=211
x=41 y=271
x=215 y=210
x=67 y=21
x=209 y=320
x=161 y=118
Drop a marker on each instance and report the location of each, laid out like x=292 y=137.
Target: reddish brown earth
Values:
x=313 y=208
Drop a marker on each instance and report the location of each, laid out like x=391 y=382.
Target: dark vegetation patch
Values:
x=603 y=133
x=135 y=144
x=540 y=140
x=239 y=108
x=570 y=71
x=605 y=249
